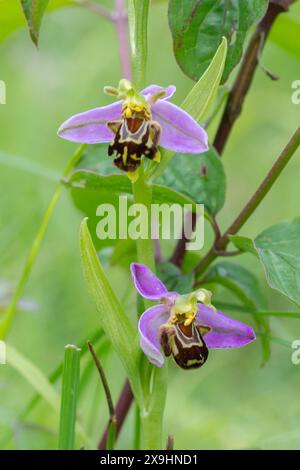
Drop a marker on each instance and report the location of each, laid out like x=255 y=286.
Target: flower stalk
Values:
x=138 y=32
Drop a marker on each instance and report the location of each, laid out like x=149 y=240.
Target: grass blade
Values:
x=70 y=381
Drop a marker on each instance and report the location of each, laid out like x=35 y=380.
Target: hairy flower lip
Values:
x=180 y=132
x=225 y=332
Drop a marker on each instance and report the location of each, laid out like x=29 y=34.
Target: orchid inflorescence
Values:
x=136 y=125
x=184 y=326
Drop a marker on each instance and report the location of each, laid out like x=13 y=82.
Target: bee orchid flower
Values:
x=184 y=326
x=136 y=124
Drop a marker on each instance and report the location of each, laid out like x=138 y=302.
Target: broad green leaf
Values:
x=197 y=28
x=244 y=244
x=117 y=185
x=278 y=248
x=113 y=319
x=239 y=280
x=199 y=177
x=174 y=279
x=206 y=88
x=69 y=395
x=246 y=287
x=90 y=189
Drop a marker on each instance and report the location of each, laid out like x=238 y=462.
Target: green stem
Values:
x=155 y=380
x=137 y=429
x=138 y=26
x=10 y=312
x=142 y=192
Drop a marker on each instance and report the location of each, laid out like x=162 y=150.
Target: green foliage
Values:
x=240 y=280
x=199 y=177
x=90 y=189
x=199 y=100
x=59 y=259
x=113 y=319
x=34 y=11
x=247 y=289
x=278 y=249
x=202 y=96
x=197 y=28
x=69 y=395
x=174 y=279
x=243 y=244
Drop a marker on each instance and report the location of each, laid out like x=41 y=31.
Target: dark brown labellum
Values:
x=185 y=343
x=134 y=137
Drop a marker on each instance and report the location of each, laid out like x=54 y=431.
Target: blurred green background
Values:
x=231 y=402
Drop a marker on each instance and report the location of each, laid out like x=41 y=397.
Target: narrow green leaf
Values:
x=69 y=394
x=12 y=16
x=248 y=310
x=53 y=377
x=35 y=377
x=112 y=317
x=202 y=96
x=111 y=436
x=197 y=27
x=198 y=101
x=34 y=11
x=275 y=339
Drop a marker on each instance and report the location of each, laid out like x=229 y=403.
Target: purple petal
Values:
x=152 y=89
x=226 y=332
x=146 y=283
x=149 y=325
x=90 y=127
x=180 y=132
